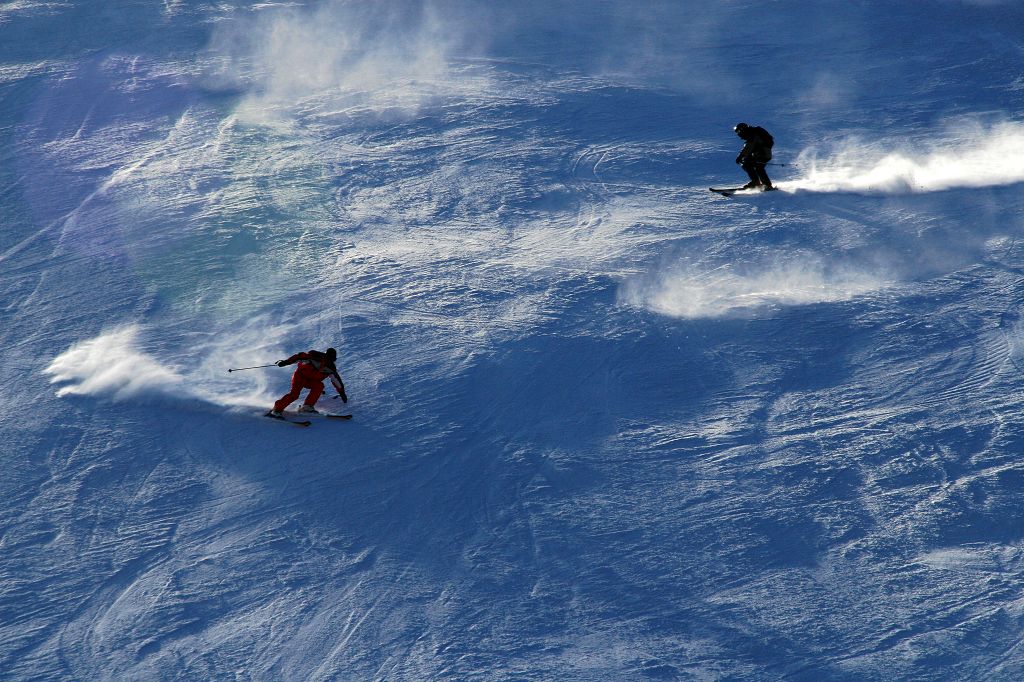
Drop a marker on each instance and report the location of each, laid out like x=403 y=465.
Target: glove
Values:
x=344 y=398
x=282 y=363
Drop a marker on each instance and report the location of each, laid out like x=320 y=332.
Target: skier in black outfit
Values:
x=756 y=152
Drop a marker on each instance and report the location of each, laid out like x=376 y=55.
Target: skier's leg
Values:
x=751 y=169
x=762 y=176
x=314 y=393
x=292 y=395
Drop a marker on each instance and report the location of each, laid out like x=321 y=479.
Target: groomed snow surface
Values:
x=608 y=426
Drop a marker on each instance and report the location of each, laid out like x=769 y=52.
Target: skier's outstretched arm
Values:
x=293 y=359
x=340 y=386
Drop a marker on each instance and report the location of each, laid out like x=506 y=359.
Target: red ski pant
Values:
x=299 y=382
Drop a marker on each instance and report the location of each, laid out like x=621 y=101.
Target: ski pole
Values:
x=239 y=369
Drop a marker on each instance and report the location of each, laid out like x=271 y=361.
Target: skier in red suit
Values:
x=313 y=368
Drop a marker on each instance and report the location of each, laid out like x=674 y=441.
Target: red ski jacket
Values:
x=314 y=367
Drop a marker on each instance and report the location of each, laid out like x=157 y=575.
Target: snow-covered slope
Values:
x=607 y=426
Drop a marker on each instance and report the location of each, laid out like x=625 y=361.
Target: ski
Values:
x=324 y=415
x=726 y=191
x=289 y=421
x=729 y=191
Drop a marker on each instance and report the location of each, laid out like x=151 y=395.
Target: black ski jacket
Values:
x=757 y=145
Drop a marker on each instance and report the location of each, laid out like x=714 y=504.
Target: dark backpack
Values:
x=766 y=137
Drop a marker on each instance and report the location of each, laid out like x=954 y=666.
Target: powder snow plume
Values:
x=340 y=58
x=722 y=292
x=964 y=155
x=115 y=365
x=111 y=365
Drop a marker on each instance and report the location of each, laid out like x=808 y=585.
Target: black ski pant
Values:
x=756 y=171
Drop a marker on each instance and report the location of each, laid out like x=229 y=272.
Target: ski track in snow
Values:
x=606 y=426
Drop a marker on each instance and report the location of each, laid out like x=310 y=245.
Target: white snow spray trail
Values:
x=339 y=59
x=962 y=155
x=723 y=292
x=115 y=365
x=111 y=365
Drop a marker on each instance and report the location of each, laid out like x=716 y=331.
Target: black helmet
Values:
x=740 y=128
x=331 y=354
